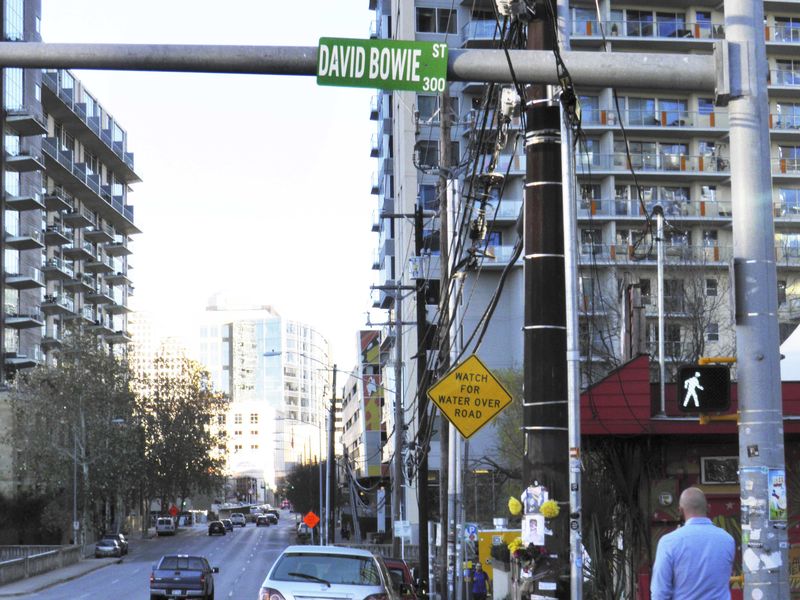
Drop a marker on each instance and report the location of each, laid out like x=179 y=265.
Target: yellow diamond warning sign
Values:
x=469 y=396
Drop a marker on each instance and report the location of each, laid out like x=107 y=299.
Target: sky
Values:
x=254 y=185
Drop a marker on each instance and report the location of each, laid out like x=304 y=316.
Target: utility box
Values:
x=494 y=537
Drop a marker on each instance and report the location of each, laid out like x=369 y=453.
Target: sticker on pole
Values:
x=469 y=396
x=383 y=64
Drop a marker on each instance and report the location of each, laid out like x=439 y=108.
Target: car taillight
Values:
x=152 y=578
x=270 y=594
x=378 y=597
x=202 y=578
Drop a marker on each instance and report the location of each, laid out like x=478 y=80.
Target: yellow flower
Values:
x=515 y=545
x=550 y=509
x=514 y=506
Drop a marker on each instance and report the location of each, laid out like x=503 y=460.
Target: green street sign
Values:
x=383 y=64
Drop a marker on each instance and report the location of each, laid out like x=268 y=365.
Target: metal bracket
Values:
x=722 y=68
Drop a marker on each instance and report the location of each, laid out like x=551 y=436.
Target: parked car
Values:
x=303 y=533
x=262 y=520
x=119 y=538
x=165 y=526
x=216 y=527
x=107 y=547
x=238 y=519
x=402 y=579
x=327 y=572
x=182 y=576
x=228 y=524
x=272 y=518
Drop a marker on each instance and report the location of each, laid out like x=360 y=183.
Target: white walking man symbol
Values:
x=691 y=386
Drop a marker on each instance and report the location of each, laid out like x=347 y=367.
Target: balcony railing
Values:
x=480 y=30
x=660 y=162
x=81 y=172
x=787 y=34
x=647 y=253
x=658 y=118
x=784 y=77
x=649 y=29
x=50 y=80
x=626 y=207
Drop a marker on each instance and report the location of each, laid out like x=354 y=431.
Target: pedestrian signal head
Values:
x=703 y=388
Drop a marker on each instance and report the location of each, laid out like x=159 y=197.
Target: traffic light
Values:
x=703 y=388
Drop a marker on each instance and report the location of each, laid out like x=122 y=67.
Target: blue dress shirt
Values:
x=693 y=562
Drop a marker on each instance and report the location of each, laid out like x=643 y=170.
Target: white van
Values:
x=165 y=526
x=238 y=519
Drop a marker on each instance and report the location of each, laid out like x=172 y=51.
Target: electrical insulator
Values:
x=477 y=229
x=509 y=101
x=504 y=7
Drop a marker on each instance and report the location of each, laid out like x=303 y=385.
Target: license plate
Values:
x=174 y=592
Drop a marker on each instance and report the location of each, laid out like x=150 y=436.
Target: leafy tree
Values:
x=176 y=408
x=78 y=414
x=301 y=487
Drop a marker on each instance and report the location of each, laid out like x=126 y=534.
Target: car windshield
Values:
x=333 y=568
x=182 y=563
x=106 y=543
x=397 y=577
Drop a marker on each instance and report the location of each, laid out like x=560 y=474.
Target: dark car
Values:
x=274 y=512
x=182 y=576
x=228 y=524
x=402 y=580
x=262 y=520
x=107 y=547
x=272 y=519
x=216 y=527
x=119 y=538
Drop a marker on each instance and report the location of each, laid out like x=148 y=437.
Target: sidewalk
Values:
x=37 y=583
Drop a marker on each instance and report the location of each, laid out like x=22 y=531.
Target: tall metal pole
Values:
x=660 y=250
x=545 y=348
x=422 y=419
x=399 y=424
x=75 y=528
x=447 y=430
x=573 y=361
x=330 y=506
x=761 y=451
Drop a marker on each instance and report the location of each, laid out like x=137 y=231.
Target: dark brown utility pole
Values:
x=423 y=341
x=545 y=340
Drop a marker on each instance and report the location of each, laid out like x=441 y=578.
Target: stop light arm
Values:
x=710 y=360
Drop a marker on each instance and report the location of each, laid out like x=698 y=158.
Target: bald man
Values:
x=695 y=561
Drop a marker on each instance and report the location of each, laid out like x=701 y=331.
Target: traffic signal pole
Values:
x=737 y=70
x=761 y=451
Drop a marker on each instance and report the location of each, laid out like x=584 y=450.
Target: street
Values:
x=243 y=558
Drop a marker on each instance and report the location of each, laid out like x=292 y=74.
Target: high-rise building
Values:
x=66 y=215
x=276 y=374
x=677 y=157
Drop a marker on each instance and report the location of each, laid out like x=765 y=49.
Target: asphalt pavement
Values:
x=243 y=557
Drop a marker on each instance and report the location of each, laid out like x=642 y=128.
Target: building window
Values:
x=712 y=332
x=436 y=20
x=428 y=197
x=254 y=432
x=12 y=183
x=237 y=432
x=15 y=20
x=237 y=447
x=38 y=24
x=13 y=93
x=254 y=418
x=220 y=419
x=711 y=287
x=237 y=419
x=253 y=446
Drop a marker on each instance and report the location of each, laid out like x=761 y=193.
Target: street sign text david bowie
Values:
x=384 y=64
x=471 y=403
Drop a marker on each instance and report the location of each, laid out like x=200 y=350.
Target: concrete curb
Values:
x=52 y=578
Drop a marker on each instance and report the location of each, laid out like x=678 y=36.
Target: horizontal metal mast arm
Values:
x=622 y=70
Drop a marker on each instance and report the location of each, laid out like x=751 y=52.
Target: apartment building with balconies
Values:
x=66 y=215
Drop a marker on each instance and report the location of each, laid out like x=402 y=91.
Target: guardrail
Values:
x=19 y=562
